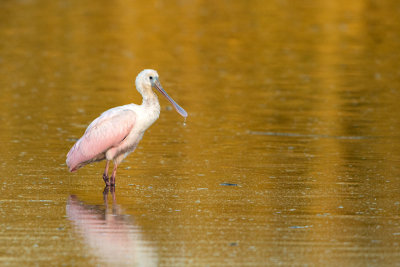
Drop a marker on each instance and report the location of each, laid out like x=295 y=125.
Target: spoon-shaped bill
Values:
x=178 y=108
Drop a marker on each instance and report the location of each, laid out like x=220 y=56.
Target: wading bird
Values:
x=117 y=132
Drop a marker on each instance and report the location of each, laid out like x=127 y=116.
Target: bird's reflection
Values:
x=111 y=236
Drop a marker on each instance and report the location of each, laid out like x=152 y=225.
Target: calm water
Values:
x=290 y=154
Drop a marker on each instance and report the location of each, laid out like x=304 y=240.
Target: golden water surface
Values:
x=290 y=154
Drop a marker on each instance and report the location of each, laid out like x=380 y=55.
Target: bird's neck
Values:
x=150 y=100
x=151 y=107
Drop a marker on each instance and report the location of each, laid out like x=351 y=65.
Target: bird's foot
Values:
x=106 y=179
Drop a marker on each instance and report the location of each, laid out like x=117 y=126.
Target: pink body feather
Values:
x=106 y=132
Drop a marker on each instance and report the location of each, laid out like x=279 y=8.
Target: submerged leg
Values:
x=114 y=173
x=105 y=174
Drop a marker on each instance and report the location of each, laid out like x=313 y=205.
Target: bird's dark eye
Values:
x=151 y=77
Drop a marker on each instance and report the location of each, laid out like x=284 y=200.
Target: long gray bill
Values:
x=178 y=108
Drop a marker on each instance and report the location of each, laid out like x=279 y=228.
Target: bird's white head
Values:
x=145 y=80
x=148 y=79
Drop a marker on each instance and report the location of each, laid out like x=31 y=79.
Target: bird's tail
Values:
x=73 y=158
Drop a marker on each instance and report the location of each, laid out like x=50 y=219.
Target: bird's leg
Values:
x=114 y=173
x=105 y=174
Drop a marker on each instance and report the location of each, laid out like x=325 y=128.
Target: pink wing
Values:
x=105 y=132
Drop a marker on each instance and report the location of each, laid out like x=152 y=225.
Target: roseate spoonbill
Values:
x=117 y=131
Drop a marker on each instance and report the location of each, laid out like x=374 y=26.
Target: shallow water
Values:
x=290 y=154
